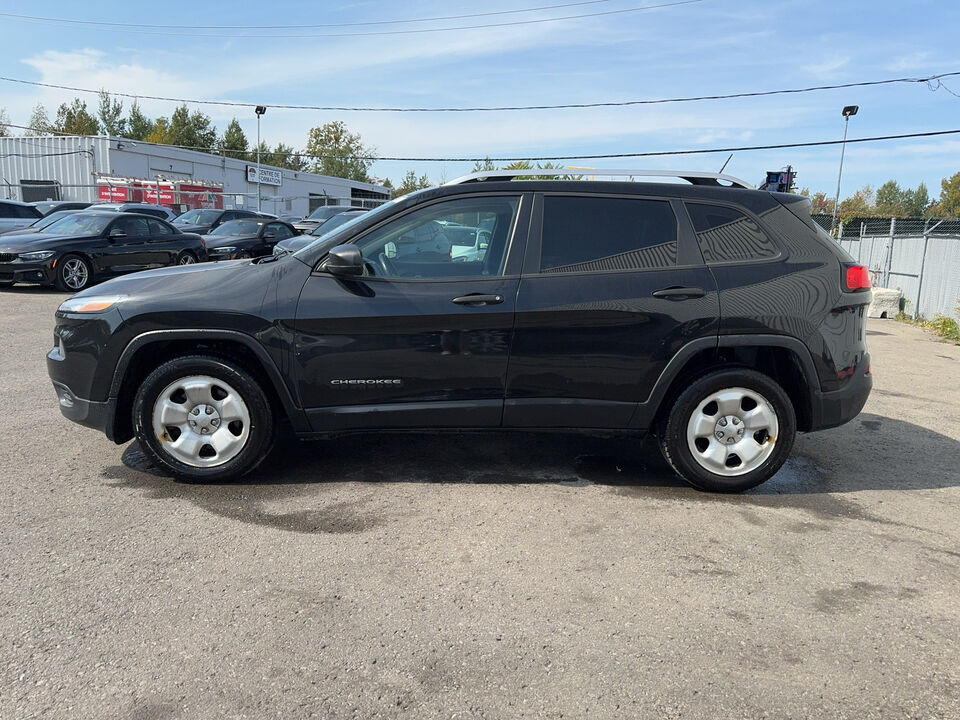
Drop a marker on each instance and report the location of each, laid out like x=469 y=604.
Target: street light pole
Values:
x=847 y=112
x=260 y=110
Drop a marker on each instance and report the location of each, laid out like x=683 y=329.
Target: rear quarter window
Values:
x=729 y=235
x=589 y=234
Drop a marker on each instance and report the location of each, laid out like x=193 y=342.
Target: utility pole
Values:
x=847 y=112
x=260 y=110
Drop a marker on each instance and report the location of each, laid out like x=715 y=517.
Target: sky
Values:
x=704 y=47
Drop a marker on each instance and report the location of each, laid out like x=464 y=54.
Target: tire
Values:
x=200 y=398
x=74 y=273
x=186 y=258
x=243 y=255
x=729 y=431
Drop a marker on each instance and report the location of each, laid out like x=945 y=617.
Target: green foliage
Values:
x=160 y=133
x=192 y=130
x=75 y=119
x=138 y=125
x=339 y=153
x=485 y=166
x=860 y=204
x=411 y=183
x=894 y=201
x=110 y=113
x=949 y=203
x=233 y=143
x=39 y=123
x=282 y=156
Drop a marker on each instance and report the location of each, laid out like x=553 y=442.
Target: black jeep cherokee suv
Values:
x=717 y=316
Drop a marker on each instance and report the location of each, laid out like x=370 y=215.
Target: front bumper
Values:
x=831 y=409
x=96 y=415
x=28 y=272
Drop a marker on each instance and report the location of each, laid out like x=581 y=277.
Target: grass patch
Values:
x=945 y=327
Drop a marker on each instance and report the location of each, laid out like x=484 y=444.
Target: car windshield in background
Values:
x=239 y=227
x=335 y=222
x=79 y=225
x=335 y=233
x=326 y=212
x=198 y=217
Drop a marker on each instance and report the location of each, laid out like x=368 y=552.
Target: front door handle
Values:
x=679 y=292
x=478 y=299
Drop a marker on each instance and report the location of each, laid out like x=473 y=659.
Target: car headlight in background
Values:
x=37 y=255
x=90 y=304
x=228 y=249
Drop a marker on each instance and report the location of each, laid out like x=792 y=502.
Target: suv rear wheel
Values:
x=729 y=431
x=203 y=418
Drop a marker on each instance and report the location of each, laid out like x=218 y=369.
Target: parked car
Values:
x=87 y=246
x=720 y=318
x=290 y=218
x=248 y=238
x=15 y=214
x=142 y=208
x=320 y=216
x=38 y=225
x=204 y=220
x=300 y=241
x=49 y=206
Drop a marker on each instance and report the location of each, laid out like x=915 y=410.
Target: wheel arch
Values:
x=786 y=360
x=148 y=351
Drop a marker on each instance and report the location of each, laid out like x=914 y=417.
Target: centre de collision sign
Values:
x=268 y=176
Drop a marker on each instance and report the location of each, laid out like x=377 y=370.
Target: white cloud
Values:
x=827 y=67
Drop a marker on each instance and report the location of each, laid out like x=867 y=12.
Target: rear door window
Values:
x=729 y=235
x=589 y=234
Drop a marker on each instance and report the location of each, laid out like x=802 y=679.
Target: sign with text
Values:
x=109 y=193
x=268 y=176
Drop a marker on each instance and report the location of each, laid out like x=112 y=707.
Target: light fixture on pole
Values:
x=259 y=110
x=847 y=112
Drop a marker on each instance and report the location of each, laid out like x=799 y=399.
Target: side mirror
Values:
x=344 y=260
x=117 y=233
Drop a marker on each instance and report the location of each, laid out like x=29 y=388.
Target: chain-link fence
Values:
x=918 y=256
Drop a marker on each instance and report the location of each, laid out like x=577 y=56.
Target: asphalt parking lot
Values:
x=495 y=576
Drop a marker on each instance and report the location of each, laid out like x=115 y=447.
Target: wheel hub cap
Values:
x=204 y=419
x=732 y=431
x=729 y=429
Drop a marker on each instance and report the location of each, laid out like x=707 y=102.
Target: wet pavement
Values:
x=482 y=575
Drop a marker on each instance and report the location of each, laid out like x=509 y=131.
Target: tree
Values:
x=192 y=130
x=4 y=130
x=284 y=156
x=110 y=112
x=337 y=152
x=485 y=166
x=234 y=143
x=39 y=122
x=859 y=205
x=949 y=203
x=890 y=199
x=916 y=202
x=75 y=119
x=139 y=126
x=160 y=132
x=410 y=183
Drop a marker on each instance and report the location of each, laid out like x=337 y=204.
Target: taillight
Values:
x=858 y=278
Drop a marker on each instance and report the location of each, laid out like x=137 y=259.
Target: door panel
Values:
x=131 y=252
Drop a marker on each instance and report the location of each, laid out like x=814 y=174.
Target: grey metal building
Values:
x=109 y=169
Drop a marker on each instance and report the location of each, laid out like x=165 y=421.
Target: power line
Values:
x=299 y=25
x=288 y=36
x=607 y=156
x=930 y=79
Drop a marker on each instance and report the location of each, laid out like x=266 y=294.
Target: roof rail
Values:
x=692 y=177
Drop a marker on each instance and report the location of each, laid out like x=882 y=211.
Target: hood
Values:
x=214 y=241
x=38 y=241
x=199 y=229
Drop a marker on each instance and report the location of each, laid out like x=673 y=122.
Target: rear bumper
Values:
x=831 y=409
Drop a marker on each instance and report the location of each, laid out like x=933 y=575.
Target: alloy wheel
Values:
x=75 y=273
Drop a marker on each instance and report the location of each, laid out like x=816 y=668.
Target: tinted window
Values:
x=426 y=242
x=584 y=234
x=134 y=227
x=280 y=231
x=238 y=227
x=159 y=228
x=79 y=224
x=198 y=217
x=726 y=234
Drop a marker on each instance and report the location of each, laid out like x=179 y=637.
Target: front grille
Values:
x=7 y=257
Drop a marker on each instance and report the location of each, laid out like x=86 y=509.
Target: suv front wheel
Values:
x=729 y=431
x=203 y=418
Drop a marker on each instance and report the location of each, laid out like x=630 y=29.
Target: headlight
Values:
x=227 y=249
x=90 y=304
x=37 y=255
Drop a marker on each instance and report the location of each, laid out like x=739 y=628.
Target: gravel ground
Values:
x=496 y=576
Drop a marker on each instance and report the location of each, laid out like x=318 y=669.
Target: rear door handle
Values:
x=679 y=292
x=479 y=300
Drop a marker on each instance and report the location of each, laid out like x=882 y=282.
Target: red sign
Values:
x=108 y=193
x=150 y=195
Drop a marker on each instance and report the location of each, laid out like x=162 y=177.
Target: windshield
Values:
x=239 y=227
x=78 y=224
x=335 y=222
x=335 y=234
x=47 y=221
x=198 y=217
x=327 y=211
